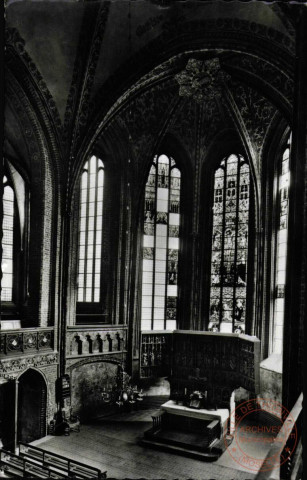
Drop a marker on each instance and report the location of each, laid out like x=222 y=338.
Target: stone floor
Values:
x=111 y=444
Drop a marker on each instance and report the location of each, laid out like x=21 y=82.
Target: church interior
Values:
x=154 y=239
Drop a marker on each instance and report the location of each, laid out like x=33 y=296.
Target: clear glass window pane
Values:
x=147 y=301
x=92 y=195
x=158 y=325
x=91 y=209
x=173 y=243
x=89 y=265
x=98 y=239
x=147 y=289
x=90 y=238
x=161 y=254
x=90 y=251
x=161 y=242
x=172 y=290
x=174 y=219
x=171 y=325
x=162 y=205
x=281 y=249
x=99 y=208
x=161 y=230
x=158 y=313
x=146 y=313
x=147 y=265
x=159 y=302
x=160 y=278
x=147 y=277
x=97 y=264
x=145 y=324
x=148 y=241
x=160 y=266
x=90 y=227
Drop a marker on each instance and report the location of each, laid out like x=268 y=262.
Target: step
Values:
x=188 y=440
x=204 y=456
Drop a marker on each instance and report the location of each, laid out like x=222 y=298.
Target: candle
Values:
x=185 y=391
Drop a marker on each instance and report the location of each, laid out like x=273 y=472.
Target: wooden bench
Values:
x=16 y=465
x=60 y=464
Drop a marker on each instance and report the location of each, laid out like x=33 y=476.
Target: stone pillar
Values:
x=16 y=418
x=292 y=374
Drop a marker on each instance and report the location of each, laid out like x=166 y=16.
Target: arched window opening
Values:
x=7 y=241
x=161 y=245
x=90 y=232
x=15 y=204
x=228 y=284
x=281 y=249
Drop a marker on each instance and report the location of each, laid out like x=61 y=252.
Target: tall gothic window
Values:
x=281 y=249
x=229 y=245
x=90 y=233
x=161 y=245
x=14 y=202
x=7 y=241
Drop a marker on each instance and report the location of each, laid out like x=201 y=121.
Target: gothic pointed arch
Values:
x=39 y=159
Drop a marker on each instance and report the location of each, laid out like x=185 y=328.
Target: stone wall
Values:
x=88 y=382
x=271 y=379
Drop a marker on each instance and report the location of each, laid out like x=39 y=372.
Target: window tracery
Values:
x=161 y=245
x=229 y=245
x=14 y=202
x=7 y=241
x=90 y=231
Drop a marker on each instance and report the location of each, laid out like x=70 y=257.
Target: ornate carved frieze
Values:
x=17 y=364
x=26 y=341
x=95 y=341
x=203 y=81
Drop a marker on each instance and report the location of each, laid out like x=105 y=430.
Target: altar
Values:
x=197 y=433
x=201 y=414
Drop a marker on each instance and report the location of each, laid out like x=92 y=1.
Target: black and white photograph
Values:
x=153 y=239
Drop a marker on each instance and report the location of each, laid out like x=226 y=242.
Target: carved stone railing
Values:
x=26 y=341
x=91 y=340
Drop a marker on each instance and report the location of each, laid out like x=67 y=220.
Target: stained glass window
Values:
x=7 y=242
x=90 y=231
x=161 y=245
x=229 y=245
x=281 y=250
